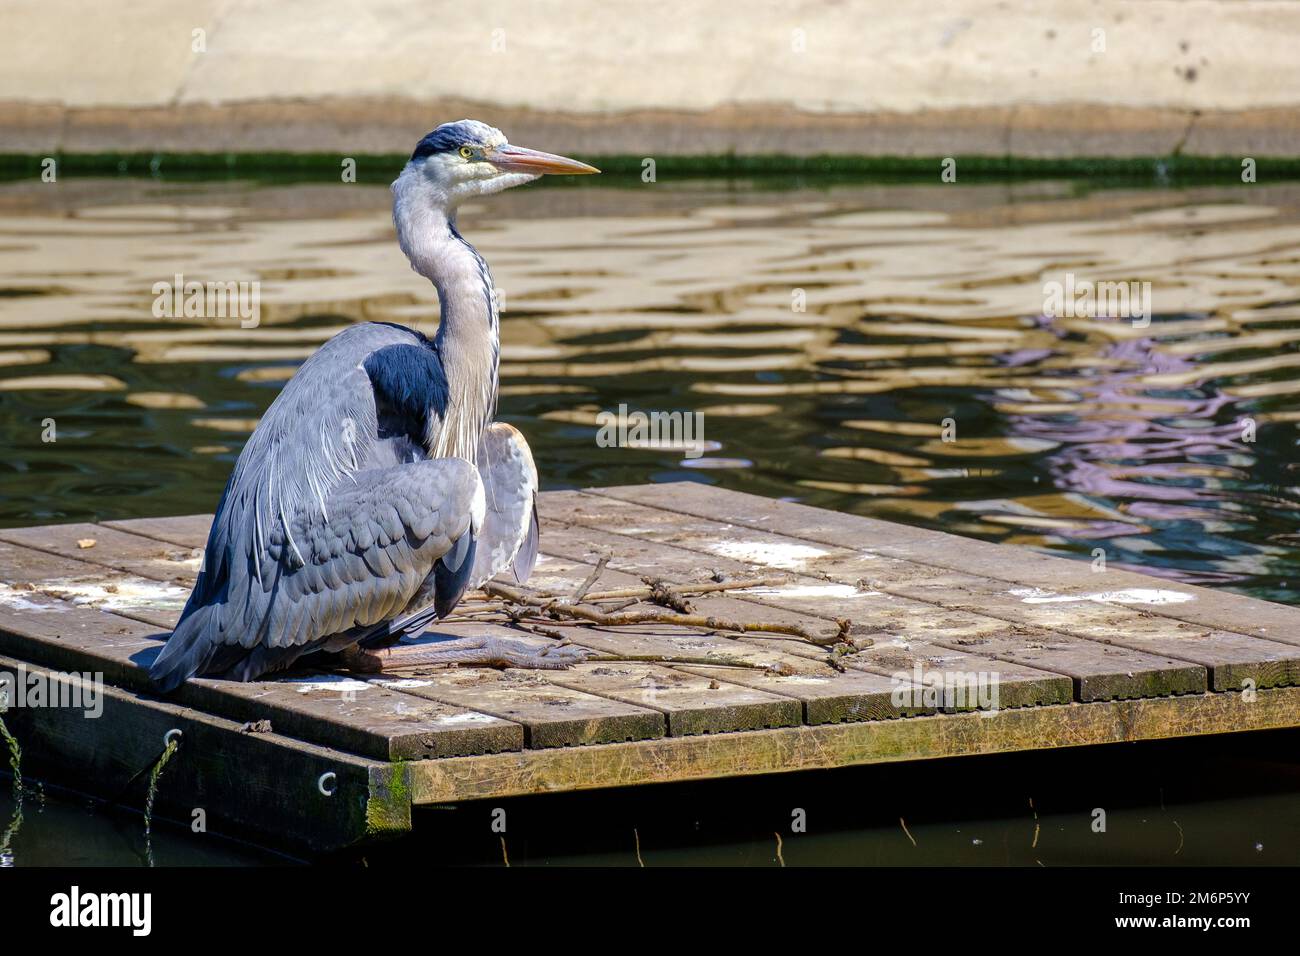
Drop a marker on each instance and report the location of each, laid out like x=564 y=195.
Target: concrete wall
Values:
x=1056 y=77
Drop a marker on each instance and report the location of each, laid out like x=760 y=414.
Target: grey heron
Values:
x=376 y=490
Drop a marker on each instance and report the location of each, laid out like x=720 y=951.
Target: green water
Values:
x=920 y=303
x=64 y=829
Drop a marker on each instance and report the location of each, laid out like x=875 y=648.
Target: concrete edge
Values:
x=370 y=126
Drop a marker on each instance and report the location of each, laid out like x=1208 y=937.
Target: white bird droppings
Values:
x=1125 y=596
x=810 y=591
x=465 y=718
x=124 y=594
x=763 y=552
x=340 y=685
x=802 y=679
x=20 y=600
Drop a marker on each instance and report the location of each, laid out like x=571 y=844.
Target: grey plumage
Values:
x=330 y=536
x=358 y=512
x=509 y=536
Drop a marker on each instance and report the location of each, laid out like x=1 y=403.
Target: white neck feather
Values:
x=467 y=339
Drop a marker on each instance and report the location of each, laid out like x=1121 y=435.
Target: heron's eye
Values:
x=466 y=152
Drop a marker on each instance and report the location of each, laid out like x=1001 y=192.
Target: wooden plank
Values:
x=1217 y=609
x=186 y=531
x=27 y=571
x=654 y=642
x=1098 y=671
x=1231 y=659
x=824 y=746
x=690 y=703
x=552 y=573
x=262 y=785
x=552 y=715
x=563 y=576
x=804 y=597
x=113 y=548
x=370 y=718
x=347 y=715
x=1010 y=684
x=129 y=552
x=118 y=547
x=662 y=644
x=827 y=697
x=54 y=633
x=1098 y=674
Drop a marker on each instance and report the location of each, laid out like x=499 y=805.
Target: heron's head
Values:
x=460 y=160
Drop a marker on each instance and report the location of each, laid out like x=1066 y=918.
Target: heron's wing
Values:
x=509 y=535
x=385 y=537
x=526 y=557
x=374 y=395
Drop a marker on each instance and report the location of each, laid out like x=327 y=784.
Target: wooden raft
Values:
x=320 y=761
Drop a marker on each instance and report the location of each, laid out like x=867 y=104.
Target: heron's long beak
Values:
x=518 y=159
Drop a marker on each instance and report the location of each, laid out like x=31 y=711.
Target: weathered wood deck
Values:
x=1076 y=657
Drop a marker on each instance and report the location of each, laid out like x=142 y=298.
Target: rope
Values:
x=155 y=773
x=15 y=761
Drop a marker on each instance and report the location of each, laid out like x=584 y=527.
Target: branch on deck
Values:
x=560 y=611
x=546 y=614
x=643 y=593
x=664 y=595
x=592 y=578
x=689 y=590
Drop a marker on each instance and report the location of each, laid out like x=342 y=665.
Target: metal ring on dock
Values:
x=174 y=732
x=330 y=777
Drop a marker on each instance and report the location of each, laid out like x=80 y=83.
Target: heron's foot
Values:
x=503 y=652
x=476 y=652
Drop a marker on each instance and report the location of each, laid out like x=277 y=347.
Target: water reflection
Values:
x=1149 y=437
x=69 y=830
x=827 y=335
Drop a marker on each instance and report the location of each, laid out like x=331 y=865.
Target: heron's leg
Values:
x=473 y=652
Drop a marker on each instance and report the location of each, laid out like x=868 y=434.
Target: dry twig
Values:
x=560 y=611
x=592 y=578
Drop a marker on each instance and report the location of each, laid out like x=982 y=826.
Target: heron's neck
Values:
x=468 y=340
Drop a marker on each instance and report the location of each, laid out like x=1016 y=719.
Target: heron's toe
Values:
x=560 y=657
